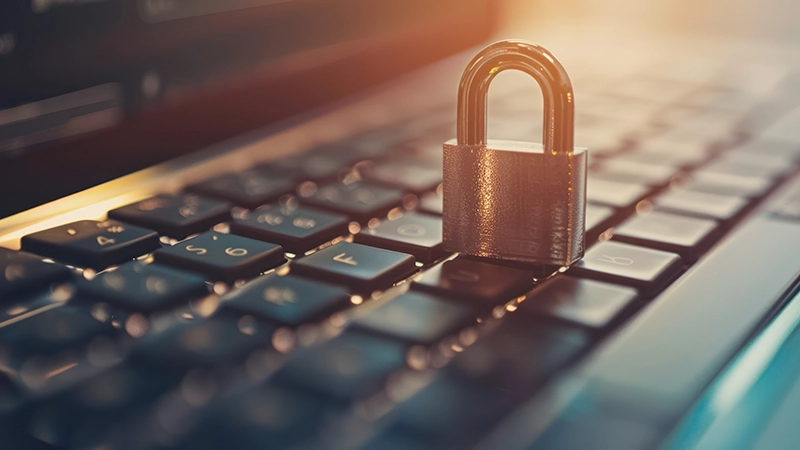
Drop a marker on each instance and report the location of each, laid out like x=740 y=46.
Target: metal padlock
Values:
x=515 y=200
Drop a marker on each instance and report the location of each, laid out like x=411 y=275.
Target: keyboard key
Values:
x=613 y=193
x=297 y=230
x=286 y=299
x=686 y=236
x=222 y=257
x=417 y=318
x=417 y=234
x=362 y=268
x=175 y=216
x=322 y=164
x=588 y=303
x=634 y=172
x=357 y=200
x=49 y=332
x=408 y=177
x=700 y=204
x=518 y=356
x=144 y=287
x=643 y=268
x=752 y=165
x=92 y=244
x=208 y=343
x=24 y=272
x=727 y=184
x=249 y=189
x=597 y=216
x=484 y=283
x=432 y=204
x=350 y=366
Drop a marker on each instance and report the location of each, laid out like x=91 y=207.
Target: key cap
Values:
x=634 y=172
x=416 y=234
x=286 y=299
x=700 y=204
x=352 y=365
x=643 y=268
x=689 y=237
x=175 y=216
x=417 y=318
x=727 y=184
x=414 y=178
x=210 y=343
x=612 y=193
x=431 y=204
x=249 y=189
x=357 y=200
x=297 y=230
x=518 y=356
x=588 y=303
x=485 y=284
x=752 y=165
x=597 y=217
x=49 y=332
x=144 y=287
x=362 y=268
x=25 y=272
x=92 y=244
x=322 y=164
x=222 y=257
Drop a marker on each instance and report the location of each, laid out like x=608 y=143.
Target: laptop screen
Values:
x=93 y=89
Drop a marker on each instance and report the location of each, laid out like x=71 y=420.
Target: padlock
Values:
x=514 y=200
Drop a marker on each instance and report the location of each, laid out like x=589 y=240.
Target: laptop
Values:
x=221 y=229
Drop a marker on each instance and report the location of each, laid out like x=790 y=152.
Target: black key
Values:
x=286 y=299
x=322 y=164
x=222 y=257
x=49 y=332
x=92 y=244
x=613 y=193
x=296 y=229
x=362 y=268
x=352 y=365
x=597 y=216
x=24 y=272
x=249 y=189
x=686 y=236
x=432 y=204
x=701 y=204
x=144 y=287
x=175 y=216
x=519 y=355
x=643 y=268
x=635 y=172
x=409 y=177
x=203 y=343
x=417 y=318
x=417 y=234
x=727 y=184
x=487 y=284
x=357 y=200
x=588 y=303
x=454 y=411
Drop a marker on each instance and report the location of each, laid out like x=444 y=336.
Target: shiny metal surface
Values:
x=515 y=200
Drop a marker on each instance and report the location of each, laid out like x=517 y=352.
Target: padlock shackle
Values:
x=534 y=60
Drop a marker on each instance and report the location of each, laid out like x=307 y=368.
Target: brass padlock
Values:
x=515 y=200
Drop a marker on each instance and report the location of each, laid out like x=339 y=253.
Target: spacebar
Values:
x=652 y=371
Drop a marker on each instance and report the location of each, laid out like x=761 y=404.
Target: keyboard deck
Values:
x=308 y=303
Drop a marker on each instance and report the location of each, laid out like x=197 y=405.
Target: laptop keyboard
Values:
x=308 y=303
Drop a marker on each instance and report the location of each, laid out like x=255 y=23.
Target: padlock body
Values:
x=509 y=200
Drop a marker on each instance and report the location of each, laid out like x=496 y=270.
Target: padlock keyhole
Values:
x=515 y=108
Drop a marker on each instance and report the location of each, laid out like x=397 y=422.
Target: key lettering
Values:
x=344 y=259
x=235 y=251
x=197 y=250
x=306 y=224
x=411 y=230
x=103 y=241
x=270 y=219
x=618 y=260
